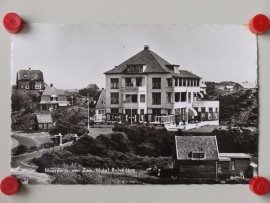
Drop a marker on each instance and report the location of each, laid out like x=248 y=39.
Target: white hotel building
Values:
x=157 y=88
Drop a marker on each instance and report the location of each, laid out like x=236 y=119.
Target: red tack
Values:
x=259 y=24
x=259 y=185
x=12 y=22
x=10 y=185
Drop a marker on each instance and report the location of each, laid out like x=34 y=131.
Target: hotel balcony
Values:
x=129 y=105
x=133 y=89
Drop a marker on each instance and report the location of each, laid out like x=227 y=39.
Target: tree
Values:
x=237 y=140
x=88 y=91
x=19 y=100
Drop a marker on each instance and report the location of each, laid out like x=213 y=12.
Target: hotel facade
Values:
x=156 y=88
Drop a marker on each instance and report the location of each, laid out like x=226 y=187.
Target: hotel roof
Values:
x=153 y=63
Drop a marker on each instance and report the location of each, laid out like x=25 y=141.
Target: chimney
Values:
x=146 y=47
x=29 y=68
x=51 y=85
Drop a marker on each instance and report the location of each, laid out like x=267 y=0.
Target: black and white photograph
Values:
x=117 y=104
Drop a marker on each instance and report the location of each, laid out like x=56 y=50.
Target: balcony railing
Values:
x=131 y=88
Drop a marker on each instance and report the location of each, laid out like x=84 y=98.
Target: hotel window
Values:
x=184 y=82
x=156 y=83
x=203 y=109
x=156 y=112
x=142 y=111
x=191 y=82
x=180 y=82
x=142 y=98
x=176 y=82
x=128 y=82
x=114 y=83
x=114 y=98
x=183 y=113
x=189 y=97
x=138 y=82
x=134 y=97
x=169 y=82
x=232 y=165
x=188 y=82
x=198 y=82
x=177 y=96
x=198 y=155
x=169 y=97
x=183 y=96
x=195 y=83
x=156 y=98
x=210 y=110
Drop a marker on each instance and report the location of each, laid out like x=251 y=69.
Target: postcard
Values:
x=134 y=104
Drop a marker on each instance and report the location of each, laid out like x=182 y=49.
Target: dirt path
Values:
x=23 y=159
x=25 y=140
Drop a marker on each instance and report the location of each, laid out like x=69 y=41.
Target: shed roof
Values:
x=154 y=64
x=234 y=155
x=29 y=74
x=187 y=144
x=44 y=118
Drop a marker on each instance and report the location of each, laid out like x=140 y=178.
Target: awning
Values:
x=201 y=94
x=192 y=112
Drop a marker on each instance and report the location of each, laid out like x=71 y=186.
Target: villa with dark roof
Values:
x=30 y=80
x=155 y=89
x=52 y=98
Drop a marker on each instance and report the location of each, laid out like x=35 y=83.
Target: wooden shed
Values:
x=195 y=157
x=44 y=121
x=235 y=163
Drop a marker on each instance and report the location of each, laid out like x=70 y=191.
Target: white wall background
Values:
x=142 y=12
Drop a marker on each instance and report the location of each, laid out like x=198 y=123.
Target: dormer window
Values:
x=198 y=155
x=53 y=97
x=135 y=68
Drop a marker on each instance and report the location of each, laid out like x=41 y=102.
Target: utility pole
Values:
x=131 y=109
x=72 y=100
x=88 y=111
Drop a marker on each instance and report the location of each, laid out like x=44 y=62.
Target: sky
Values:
x=74 y=55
